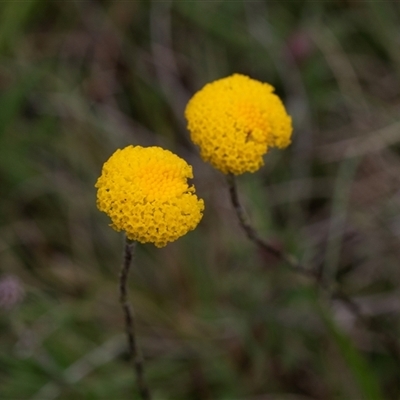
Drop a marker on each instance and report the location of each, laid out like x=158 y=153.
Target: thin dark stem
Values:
x=134 y=352
x=336 y=292
x=255 y=238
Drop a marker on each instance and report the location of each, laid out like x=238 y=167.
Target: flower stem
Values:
x=255 y=238
x=134 y=352
x=388 y=340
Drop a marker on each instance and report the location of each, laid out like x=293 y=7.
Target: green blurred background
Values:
x=217 y=319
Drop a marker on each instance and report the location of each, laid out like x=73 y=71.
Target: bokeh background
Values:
x=217 y=318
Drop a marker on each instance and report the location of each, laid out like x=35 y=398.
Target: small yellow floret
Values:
x=235 y=120
x=145 y=193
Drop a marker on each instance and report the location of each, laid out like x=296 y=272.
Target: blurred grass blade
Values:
x=12 y=100
x=340 y=209
x=14 y=145
x=362 y=373
x=384 y=26
x=13 y=15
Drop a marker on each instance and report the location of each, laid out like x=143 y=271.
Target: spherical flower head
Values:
x=145 y=193
x=235 y=121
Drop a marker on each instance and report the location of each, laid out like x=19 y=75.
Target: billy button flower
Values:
x=235 y=121
x=145 y=193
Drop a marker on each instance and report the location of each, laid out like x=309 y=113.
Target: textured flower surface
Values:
x=144 y=191
x=235 y=120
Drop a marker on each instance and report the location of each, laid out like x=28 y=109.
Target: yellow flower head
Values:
x=145 y=193
x=235 y=120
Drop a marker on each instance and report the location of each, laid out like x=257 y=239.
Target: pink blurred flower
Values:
x=11 y=291
x=299 y=46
